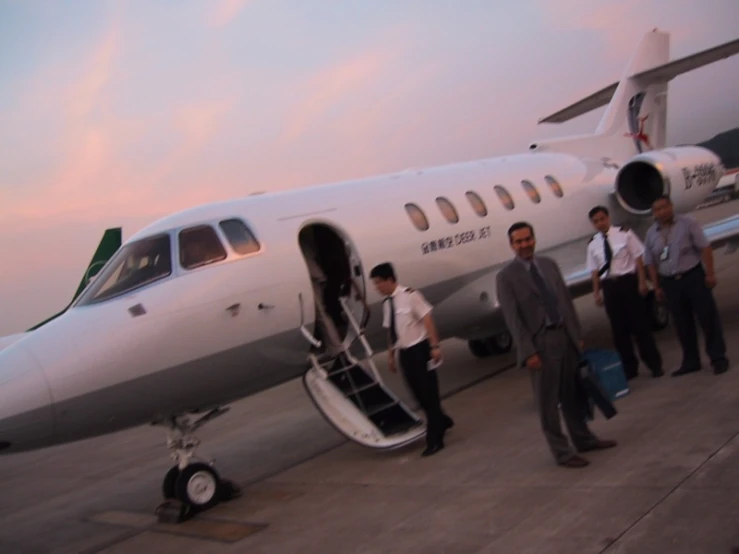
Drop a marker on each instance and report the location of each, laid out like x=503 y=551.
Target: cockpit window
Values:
x=200 y=246
x=239 y=236
x=134 y=265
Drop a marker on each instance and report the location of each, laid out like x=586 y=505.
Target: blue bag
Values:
x=608 y=369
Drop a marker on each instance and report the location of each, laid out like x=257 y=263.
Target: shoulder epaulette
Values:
x=592 y=239
x=409 y=289
x=624 y=228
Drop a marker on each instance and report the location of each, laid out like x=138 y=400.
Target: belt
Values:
x=681 y=274
x=554 y=326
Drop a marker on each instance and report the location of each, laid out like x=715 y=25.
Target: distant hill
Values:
x=726 y=146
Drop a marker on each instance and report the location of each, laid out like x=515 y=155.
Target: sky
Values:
x=117 y=113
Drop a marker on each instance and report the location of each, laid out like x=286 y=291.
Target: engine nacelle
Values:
x=686 y=173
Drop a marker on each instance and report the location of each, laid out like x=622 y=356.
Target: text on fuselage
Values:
x=452 y=241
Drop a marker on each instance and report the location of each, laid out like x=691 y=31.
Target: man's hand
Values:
x=598 y=298
x=710 y=281
x=533 y=362
x=436 y=354
x=391 y=364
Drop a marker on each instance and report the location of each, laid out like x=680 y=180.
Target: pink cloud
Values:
x=93 y=176
x=227 y=11
x=326 y=88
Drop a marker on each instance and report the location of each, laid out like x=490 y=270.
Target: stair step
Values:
x=351 y=380
x=394 y=420
x=359 y=386
x=371 y=399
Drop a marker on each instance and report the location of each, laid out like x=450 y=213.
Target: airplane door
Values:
x=357 y=300
x=339 y=267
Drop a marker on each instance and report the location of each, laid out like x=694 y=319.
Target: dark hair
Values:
x=663 y=197
x=383 y=271
x=597 y=210
x=519 y=225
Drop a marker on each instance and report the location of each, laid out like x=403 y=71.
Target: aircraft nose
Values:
x=26 y=416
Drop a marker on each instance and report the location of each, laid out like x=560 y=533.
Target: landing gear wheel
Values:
x=198 y=485
x=168 y=485
x=658 y=312
x=478 y=348
x=500 y=343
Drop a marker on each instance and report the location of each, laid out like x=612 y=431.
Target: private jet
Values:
x=216 y=303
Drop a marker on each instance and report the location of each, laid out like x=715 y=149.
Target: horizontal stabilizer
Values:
x=660 y=74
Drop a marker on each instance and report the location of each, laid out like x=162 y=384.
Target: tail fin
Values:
x=636 y=117
x=108 y=245
x=638 y=109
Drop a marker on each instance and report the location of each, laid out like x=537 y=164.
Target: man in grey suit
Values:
x=542 y=320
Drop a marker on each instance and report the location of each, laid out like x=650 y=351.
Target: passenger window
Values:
x=447 y=210
x=477 y=204
x=417 y=217
x=530 y=189
x=505 y=198
x=555 y=186
x=239 y=236
x=200 y=246
x=133 y=266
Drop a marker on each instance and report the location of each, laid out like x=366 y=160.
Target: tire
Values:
x=500 y=343
x=169 y=490
x=198 y=485
x=478 y=348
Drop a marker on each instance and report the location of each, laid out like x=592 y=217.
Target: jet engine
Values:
x=686 y=173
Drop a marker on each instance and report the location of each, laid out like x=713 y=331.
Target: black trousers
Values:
x=629 y=316
x=424 y=386
x=689 y=295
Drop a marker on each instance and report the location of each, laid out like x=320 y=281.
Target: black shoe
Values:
x=574 y=461
x=658 y=373
x=448 y=423
x=431 y=450
x=721 y=366
x=685 y=370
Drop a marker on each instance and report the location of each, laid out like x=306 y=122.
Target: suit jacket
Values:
x=523 y=308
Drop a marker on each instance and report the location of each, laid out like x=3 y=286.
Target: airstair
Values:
x=352 y=397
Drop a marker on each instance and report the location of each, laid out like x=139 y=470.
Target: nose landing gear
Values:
x=191 y=486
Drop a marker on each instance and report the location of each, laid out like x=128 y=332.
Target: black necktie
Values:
x=609 y=255
x=393 y=332
x=550 y=302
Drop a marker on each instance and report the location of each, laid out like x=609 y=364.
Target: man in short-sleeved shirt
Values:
x=614 y=258
x=411 y=331
x=676 y=251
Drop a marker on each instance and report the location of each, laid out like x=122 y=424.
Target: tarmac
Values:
x=670 y=486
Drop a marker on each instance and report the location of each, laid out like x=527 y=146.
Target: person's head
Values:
x=662 y=209
x=383 y=277
x=600 y=219
x=521 y=237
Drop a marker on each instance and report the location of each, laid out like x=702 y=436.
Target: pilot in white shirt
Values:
x=411 y=331
x=614 y=258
